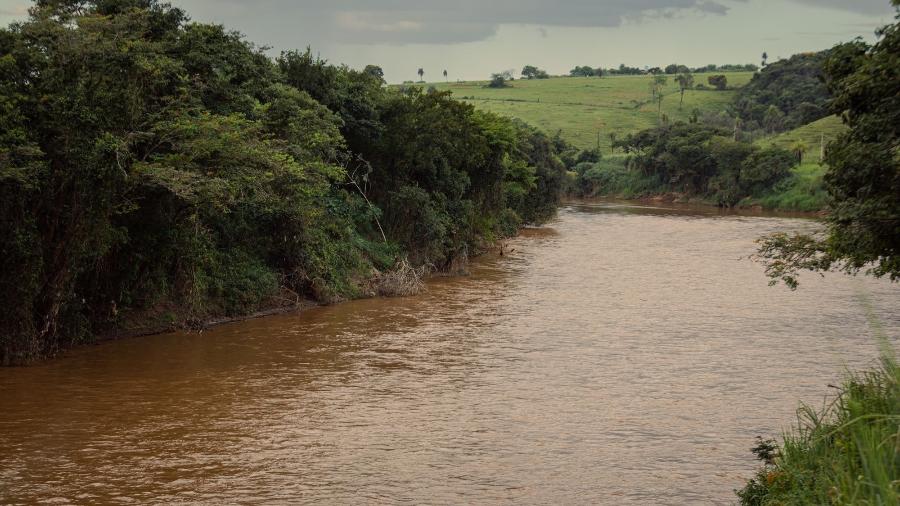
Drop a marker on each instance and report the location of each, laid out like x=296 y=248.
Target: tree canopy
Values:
x=795 y=88
x=157 y=169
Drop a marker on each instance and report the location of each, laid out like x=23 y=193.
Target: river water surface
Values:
x=622 y=355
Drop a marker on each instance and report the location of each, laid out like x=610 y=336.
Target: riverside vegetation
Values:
x=159 y=172
x=849 y=452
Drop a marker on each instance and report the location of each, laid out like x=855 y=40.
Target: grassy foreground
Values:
x=582 y=107
x=847 y=453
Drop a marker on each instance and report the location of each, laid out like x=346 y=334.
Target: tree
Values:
x=374 y=71
x=421 y=74
x=685 y=82
x=765 y=59
x=719 y=81
x=498 y=81
x=796 y=86
x=657 y=84
x=532 y=72
x=800 y=148
x=660 y=117
x=612 y=142
x=445 y=74
x=773 y=119
x=863 y=179
x=583 y=71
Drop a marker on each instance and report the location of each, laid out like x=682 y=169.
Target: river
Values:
x=624 y=354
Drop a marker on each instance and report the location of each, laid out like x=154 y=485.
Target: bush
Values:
x=719 y=82
x=498 y=81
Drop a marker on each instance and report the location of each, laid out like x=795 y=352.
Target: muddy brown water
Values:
x=624 y=354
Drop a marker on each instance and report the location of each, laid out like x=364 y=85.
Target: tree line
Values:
x=157 y=169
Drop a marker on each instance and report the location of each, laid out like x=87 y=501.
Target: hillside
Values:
x=813 y=135
x=582 y=107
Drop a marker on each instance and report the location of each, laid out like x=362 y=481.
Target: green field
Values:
x=583 y=107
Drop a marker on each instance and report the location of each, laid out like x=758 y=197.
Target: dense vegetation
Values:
x=691 y=159
x=785 y=95
x=154 y=167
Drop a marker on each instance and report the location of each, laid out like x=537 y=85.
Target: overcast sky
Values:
x=473 y=38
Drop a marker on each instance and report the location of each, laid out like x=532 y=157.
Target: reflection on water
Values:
x=623 y=355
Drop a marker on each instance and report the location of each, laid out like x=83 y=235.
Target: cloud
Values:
x=442 y=22
x=867 y=7
x=712 y=8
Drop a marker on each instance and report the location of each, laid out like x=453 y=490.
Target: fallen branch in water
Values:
x=403 y=280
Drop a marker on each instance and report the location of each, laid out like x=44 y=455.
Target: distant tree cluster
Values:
x=675 y=69
x=624 y=70
x=532 y=72
x=586 y=71
x=680 y=69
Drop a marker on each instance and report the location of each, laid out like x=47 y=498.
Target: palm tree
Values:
x=445 y=75
x=421 y=74
x=800 y=148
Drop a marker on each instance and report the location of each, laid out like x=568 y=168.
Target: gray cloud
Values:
x=713 y=8
x=867 y=7
x=442 y=22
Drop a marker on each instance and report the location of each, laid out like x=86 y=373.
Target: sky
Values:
x=472 y=39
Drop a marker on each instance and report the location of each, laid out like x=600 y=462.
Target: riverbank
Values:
x=694 y=163
x=403 y=281
x=748 y=205
x=681 y=203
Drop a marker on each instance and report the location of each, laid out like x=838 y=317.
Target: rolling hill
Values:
x=583 y=108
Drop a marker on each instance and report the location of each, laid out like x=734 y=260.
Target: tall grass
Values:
x=846 y=453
